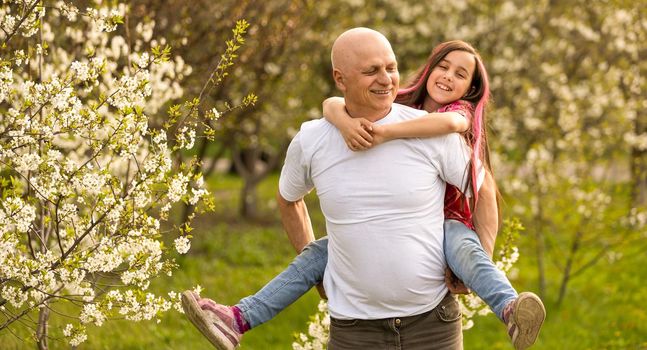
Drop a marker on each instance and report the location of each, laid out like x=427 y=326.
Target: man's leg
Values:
x=361 y=334
x=438 y=329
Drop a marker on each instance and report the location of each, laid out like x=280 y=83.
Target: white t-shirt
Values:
x=384 y=214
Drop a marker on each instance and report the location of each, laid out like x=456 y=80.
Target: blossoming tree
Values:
x=86 y=182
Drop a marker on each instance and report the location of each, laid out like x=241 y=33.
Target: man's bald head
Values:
x=351 y=42
x=366 y=72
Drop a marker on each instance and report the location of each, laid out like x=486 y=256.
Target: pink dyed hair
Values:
x=479 y=95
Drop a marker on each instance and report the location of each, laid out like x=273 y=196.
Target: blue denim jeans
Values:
x=463 y=251
x=303 y=273
x=469 y=261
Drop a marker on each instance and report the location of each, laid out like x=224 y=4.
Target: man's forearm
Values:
x=296 y=222
x=486 y=216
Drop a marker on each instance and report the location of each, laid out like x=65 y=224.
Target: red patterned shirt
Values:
x=456 y=203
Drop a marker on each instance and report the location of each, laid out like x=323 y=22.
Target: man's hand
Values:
x=322 y=291
x=454 y=284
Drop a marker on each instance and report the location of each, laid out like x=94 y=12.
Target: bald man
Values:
x=383 y=209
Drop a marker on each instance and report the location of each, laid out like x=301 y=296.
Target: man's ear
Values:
x=338 y=77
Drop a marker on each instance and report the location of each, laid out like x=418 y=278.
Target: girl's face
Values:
x=451 y=79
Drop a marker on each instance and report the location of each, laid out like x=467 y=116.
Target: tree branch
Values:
x=15 y=30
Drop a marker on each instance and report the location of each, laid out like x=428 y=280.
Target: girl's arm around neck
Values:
x=354 y=130
x=430 y=125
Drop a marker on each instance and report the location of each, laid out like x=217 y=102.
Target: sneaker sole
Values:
x=529 y=316
x=205 y=325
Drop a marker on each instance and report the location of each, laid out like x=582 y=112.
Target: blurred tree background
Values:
x=568 y=131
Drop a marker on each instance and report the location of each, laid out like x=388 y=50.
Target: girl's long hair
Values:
x=478 y=94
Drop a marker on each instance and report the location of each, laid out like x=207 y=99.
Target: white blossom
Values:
x=81 y=70
x=92 y=314
x=186 y=137
x=14 y=295
x=70 y=11
x=27 y=162
x=177 y=187
x=197 y=195
x=20 y=57
x=6 y=81
x=637 y=141
x=182 y=244
x=215 y=115
x=90 y=182
x=67 y=331
x=143 y=61
x=78 y=338
x=17 y=215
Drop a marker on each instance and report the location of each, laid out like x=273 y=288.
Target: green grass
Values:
x=229 y=262
x=231 y=258
x=603 y=310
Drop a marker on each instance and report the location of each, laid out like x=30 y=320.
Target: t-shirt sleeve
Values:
x=295 y=181
x=454 y=164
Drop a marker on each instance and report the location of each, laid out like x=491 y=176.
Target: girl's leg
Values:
x=467 y=259
x=523 y=314
x=305 y=271
x=224 y=325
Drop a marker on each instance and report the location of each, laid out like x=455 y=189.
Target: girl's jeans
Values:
x=467 y=259
x=463 y=251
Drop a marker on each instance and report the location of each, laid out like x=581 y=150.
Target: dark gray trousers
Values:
x=438 y=329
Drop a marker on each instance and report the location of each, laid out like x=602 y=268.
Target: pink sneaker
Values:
x=524 y=317
x=216 y=322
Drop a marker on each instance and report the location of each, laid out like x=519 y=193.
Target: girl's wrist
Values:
x=387 y=132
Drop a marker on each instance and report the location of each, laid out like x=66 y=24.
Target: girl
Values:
x=452 y=86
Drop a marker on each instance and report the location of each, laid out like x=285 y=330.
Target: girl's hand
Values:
x=380 y=134
x=356 y=133
x=354 y=130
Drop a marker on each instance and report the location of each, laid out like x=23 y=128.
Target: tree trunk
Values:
x=41 y=331
x=247 y=163
x=253 y=166
x=540 y=251
x=639 y=166
x=249 y=199
x=566 y=276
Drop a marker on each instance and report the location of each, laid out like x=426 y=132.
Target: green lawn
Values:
x=231 y=258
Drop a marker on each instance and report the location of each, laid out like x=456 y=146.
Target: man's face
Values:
x=371 y=80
